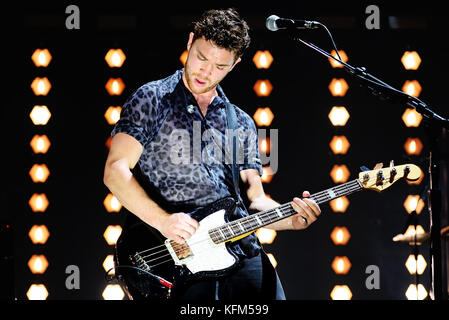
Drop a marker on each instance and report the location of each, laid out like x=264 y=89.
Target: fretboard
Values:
x=255 y=221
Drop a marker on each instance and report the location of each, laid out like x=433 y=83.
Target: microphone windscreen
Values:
x=271 y=23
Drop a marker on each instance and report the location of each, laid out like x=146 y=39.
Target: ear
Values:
x=189 y=43
x=236 y=61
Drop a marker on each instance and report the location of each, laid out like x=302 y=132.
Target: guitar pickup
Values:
x=178 y=251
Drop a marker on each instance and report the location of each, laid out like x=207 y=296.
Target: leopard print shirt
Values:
x=184 y=152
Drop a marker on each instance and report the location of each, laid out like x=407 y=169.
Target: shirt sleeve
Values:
x=139 y=115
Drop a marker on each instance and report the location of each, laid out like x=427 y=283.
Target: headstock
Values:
x=380 y=178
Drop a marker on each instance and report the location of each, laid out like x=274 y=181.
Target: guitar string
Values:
x=250 y=222
x=250 y=219
x=323 y=195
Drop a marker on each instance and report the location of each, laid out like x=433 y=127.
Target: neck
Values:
x=241 y=227
x=203 y=99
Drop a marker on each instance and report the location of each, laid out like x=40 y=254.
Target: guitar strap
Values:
x=269 y=282
x=231 y=119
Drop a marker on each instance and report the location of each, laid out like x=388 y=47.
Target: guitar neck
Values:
x=245 y=225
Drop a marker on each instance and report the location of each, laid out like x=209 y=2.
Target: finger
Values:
x=314 y=206
x=306 y=194
x=304 y=210
x=180 y=232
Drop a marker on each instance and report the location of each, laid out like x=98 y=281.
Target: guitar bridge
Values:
x=178 y=251
x=140 y=262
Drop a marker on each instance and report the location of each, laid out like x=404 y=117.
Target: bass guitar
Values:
x=149 y=266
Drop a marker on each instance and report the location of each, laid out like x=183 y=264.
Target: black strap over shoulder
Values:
x=231 y=119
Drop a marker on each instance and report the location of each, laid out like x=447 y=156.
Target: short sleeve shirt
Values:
x=186 y=155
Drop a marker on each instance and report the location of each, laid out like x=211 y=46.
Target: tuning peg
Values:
x=379 y=166
x=406 y=171
x=380 y=178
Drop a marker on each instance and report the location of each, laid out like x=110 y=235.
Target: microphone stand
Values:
x=435 y=124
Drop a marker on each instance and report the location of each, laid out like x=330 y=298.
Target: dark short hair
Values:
x=225 y=28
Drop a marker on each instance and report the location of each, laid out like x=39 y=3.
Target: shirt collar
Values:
x=218 y=101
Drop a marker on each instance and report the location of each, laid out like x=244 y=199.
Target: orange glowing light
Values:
x=411 y=117
x=38 y=264
x=183 y=57
x=339 y=173
x=112 y=233
x=265 y=235
x=340 y=235
x=339 y=145
x=40 y=143
x=263 y=59
x=263 y=88
x=267 y=174
x=40 y=115
x=338 y=116
x=341 y=292
x=108 y=264
x=37 y=292
x=112 y=114
x=39 y=234
x=338 y=87
x=273 y=261
x=340 y=204
x=111 y=203
x=416 y=292
x=264 y=145
x=38 y=202
x=115 y=86
x=414 y=203
x=113 y=292
x=41 y=57
x=412 y=88
x=263 y=117
x=411 y=60
x=413 y=146
x=115 y=58
x=336 y=64
x=39 y=173
x=41 y=86
x=341 y=265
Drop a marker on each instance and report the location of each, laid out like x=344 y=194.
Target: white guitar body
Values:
x=205 y=255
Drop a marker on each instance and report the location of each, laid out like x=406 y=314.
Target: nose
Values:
x=206 y=69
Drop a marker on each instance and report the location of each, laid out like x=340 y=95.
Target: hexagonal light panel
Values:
x=112 y=114
x=40 y=143
x=41 y=57
x=37 y=292
x=38 y=263
x=38 y=202
x=263 y=117
x=41 y=86
x=263 y=88
x=115 y=86
x=112 y=233
x=338 y=116
x=40 y=115
x=115 y=58
x=263 y=59
x=39 y=234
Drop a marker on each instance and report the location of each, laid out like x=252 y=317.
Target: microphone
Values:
x=274 y=23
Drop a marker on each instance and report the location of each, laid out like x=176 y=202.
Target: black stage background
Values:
x=153 y=37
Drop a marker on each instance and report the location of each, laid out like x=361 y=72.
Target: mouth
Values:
x=199 y=82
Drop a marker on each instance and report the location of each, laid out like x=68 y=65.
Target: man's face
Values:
x=207 y=65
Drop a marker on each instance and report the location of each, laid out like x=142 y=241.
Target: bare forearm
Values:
x=131 y=195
